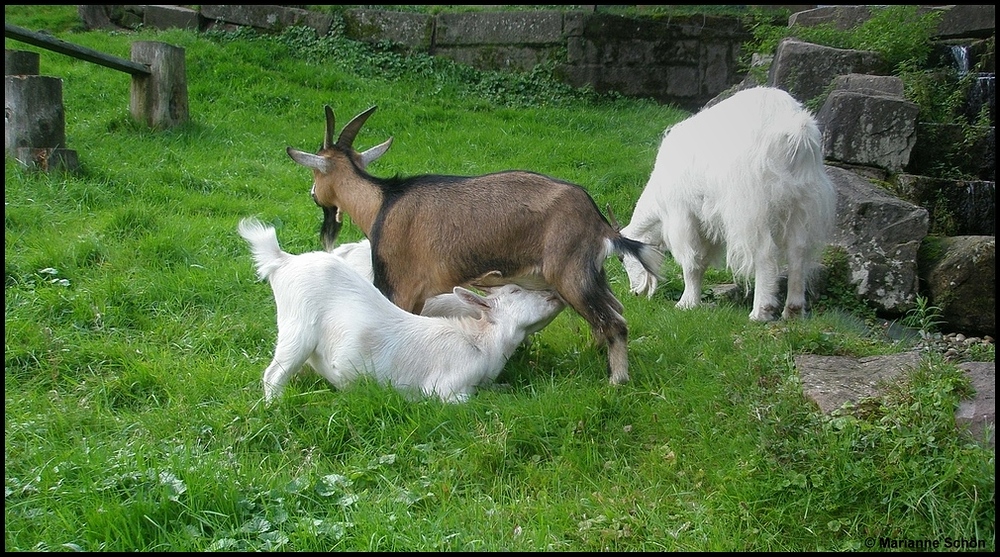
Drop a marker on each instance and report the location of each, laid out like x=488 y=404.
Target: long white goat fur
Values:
x=744 y=177
x=334 y=319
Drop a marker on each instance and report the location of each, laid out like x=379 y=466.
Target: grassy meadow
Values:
x=136 y=334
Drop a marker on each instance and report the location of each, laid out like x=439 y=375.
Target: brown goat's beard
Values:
x=330 y=229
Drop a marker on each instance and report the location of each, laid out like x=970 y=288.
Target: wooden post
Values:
x=20 y=62
x=35 y=123
x=159 y=84
x=160 y=99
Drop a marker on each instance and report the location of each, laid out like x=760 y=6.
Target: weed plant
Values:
x=135 y=336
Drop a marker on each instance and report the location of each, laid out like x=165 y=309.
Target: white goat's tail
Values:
x=263 y=240
x=803 y=145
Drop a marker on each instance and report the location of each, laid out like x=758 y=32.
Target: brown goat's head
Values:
x=336 y=163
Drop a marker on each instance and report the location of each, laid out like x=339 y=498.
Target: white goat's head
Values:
x=641 y=281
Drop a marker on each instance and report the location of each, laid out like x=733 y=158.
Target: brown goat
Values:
x=430 y=233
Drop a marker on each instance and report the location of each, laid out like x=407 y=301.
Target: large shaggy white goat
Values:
x=334 y=319
x=743 y=179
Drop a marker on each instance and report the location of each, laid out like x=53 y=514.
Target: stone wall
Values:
x=680 y=60
x=683 y=61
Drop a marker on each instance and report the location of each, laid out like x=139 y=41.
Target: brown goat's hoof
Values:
x=619 y=380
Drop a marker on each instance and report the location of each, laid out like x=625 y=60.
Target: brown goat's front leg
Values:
x=407 y=300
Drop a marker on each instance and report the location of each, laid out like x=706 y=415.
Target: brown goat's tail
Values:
x=650 y=257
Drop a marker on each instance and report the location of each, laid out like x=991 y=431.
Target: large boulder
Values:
x=805 y=70
x=881 y=236
x=866 y=121
x=959 y=276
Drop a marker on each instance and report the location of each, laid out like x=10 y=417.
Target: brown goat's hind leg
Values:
x=618 y=360
x=598 y=305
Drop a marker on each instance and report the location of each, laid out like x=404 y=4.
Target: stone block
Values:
x=805 y=70
x=881 y=236
x=960 y=279
x=167 y=17
x=865 y=129
x=968 y=21
x=499 y=28
x=871 y=84
x=268 y=17
x=978 y=414
x=415 y=31
x=843 y=18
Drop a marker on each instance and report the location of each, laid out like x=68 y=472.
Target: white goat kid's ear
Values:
x=309 y=160
x=471 y=298
x=374 y=153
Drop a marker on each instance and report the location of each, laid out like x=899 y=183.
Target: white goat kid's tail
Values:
x=263 y=240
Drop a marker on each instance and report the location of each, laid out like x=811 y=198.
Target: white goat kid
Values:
x=743 y=178
x=332 y=318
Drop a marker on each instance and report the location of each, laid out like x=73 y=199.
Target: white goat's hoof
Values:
x=793 y=312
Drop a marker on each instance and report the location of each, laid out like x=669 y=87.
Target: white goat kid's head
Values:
x=525 y=309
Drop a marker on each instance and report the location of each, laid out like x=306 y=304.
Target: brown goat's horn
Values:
x=346 y=139
x=614 y=221
x=330 y=126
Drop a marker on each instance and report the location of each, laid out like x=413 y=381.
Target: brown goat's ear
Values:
x=309 y=160
x=471 y=298
x=350 y=131
x=330 y=126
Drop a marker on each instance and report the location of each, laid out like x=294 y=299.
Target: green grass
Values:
x=135 y=336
